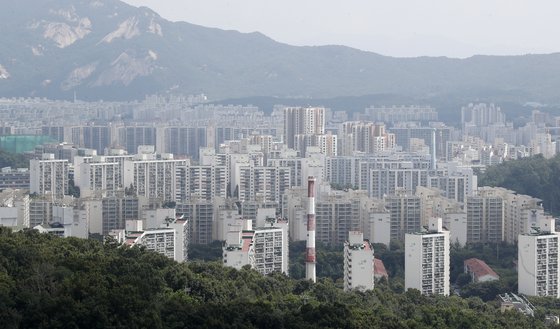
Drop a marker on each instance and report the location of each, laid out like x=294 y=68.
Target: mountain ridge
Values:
x=106 y=49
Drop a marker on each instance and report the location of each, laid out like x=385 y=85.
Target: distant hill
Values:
x=106 y=49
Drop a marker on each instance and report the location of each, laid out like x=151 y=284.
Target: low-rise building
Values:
x=379 y=271
x=479 y=270
x=512 y=301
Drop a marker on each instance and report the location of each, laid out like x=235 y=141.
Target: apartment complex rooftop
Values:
x=356 y=241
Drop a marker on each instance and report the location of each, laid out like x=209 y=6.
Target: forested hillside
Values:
x=49 y=282
x=534 y=176
x=109 y=50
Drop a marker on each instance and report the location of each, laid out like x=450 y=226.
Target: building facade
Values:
x=358 y=263
x=427 y=259
x=538 y=261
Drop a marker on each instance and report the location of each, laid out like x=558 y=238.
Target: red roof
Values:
x=379 y=268
x=247 y=240
x=479 y=268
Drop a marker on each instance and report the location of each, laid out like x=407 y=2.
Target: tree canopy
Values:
x=14 y=160
x=534 y=176
x=48 y=282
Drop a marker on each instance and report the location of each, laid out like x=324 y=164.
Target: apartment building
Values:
x=405 y=214
x=485 y=216
x=264 y=248
x=427 y=259
x=538 y=262
x=302 y=121
x=358 y=263
x=14 y=209
x=48 y=175
x=154 y=176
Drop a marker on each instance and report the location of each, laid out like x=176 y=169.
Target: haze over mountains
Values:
x=106 y=49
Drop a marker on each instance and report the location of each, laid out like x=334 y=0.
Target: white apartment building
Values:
x=14 y=178
x=294 y=207
x=301 y=168
x=364 y=136
x=40 y=210
x=269 y=182
x=14 y=209
x=336 y=213
x=264 y=248
x=380 y=174
x=521 y=213
x=154 y=177
x=226 y=216
x=171 y=239
x=201 y=218
x=454 y=216
x=538 y=262
x=303 y=121
x=427 y=259
x=497 y=214
x=394 y=113
x=358 y=263
x=406 y=214
x=67 y=221
x=48 y=175
x=159 y=240
x=271 y=250
x=456 y=182
x=456 y=223
x=542 y=144
x=112 y=212
x=378 y=226
x=339 y=212
x=182 y=234
x=326 y=144
x=181 y=140
x=206 y=182
x=485 y=216
x=98 y=176
x=155 y=217
x=238 y=249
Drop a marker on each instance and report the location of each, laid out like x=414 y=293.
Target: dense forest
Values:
x=50 y=282
x=534 y=176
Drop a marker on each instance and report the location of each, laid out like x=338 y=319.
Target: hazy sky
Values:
x=455 y=28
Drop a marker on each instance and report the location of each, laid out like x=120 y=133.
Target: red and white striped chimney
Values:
x=310 y=259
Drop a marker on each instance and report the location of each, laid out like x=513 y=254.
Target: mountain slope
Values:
x=106 y=49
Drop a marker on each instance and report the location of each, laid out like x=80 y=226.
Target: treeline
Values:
x=14 y=160
x=534 y=176
x=50 y=282
x=330 y=260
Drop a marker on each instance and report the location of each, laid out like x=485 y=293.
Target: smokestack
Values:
x=310 y=259
x=433 y=149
